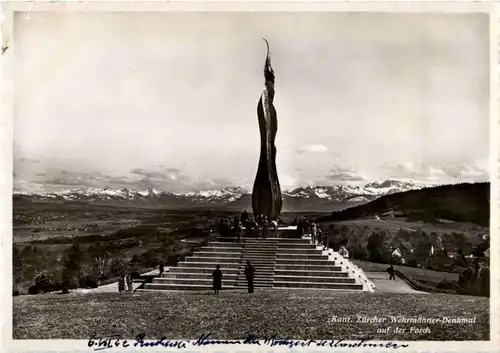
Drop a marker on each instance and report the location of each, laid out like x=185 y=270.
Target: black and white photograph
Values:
x=277 y=178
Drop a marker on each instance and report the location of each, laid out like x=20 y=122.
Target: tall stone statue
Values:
x=266 y=195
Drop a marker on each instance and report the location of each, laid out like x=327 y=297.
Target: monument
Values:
x=266 y=195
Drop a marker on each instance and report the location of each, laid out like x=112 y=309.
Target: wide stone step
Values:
x=278 y=272
x=304 y=267
x=299 y=251
x=256 y=279
x=259 y=248
x=207 y=275
x=207 y=270
x=220 y=249
x=193 y=281
x=210 y=264
x=259 y=272
x=235 y=255
x=313 y=279
x=317 y=285
x=258 y=258
x=224 y=244
x=302 y=262
x=259 y=254
x=214 y=259
x=293 y=241
x=261 y=267
x=302 y=257
x=175 y=286
x=255 y=285
x=295 y=246
x=260 y=264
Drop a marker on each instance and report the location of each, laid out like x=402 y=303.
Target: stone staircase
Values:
x=300 y=265
x=262 y=255
x=196 y=272
x=278 y=262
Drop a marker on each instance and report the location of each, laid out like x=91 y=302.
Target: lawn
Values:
x=302 y=314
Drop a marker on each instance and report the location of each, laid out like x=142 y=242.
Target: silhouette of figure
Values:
x=244 y=217
x=390 y=269
x=217 y=275
x=161 y=269
x=129 y=282
x=121 y=283
x=249 y=274
x=265 y=229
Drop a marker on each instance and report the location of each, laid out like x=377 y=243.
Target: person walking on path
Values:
x=121 y=283
x=249 y=274
x=390 y=269
x=129 y=282
x=217 y=276
x=161 y=269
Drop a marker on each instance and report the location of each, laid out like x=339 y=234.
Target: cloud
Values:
x=344 y=174
x=28 y=160
x=344 y=177
x=148 y=174
x=313 y=149
x=474 y=171
x=166 y=179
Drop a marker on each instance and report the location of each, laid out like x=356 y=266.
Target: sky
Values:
x=169 y=100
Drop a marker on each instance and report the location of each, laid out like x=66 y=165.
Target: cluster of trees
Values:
x=377 y=245
x=85 y=264
x=374 y=246
x=77 y=268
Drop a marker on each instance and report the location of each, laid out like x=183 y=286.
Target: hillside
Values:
x=308 y=314
x=460 y=202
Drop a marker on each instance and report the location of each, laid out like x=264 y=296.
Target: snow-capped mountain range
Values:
x=313 y=198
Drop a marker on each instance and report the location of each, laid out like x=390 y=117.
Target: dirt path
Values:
x=112 y=287
x=385 y=285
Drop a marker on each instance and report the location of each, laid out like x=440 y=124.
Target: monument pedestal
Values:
x=288 y=232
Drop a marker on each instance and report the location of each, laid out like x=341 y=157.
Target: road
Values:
x=385 y=285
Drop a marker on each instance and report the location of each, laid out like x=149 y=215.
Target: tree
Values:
x=374 y=247
x=72 y=259
x=17 y=268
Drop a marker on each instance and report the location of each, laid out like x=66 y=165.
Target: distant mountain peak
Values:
x=308 y=197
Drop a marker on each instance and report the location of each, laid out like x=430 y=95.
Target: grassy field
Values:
x=301 y=314
x=428 y=277
x=473 y=232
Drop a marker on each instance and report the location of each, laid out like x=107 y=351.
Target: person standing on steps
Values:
x=265 y=229
x=314 y=235
x=161 y=269
x=249 y=274
x=217 y=276
x=240 y=231
x=244 y=217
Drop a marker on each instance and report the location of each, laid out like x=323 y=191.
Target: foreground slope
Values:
x=297 y=314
